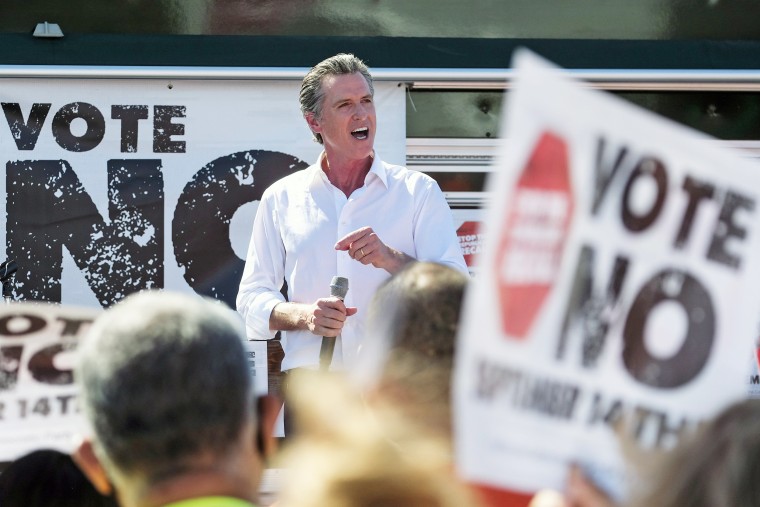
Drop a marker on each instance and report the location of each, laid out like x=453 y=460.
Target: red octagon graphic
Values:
x=532 y=241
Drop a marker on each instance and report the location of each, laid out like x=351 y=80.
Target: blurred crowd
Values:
x=167 y=392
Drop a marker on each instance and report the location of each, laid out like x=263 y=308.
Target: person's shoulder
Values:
x=412 y=181
x=404 y=174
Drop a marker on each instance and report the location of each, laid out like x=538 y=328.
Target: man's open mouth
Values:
x=361 y=133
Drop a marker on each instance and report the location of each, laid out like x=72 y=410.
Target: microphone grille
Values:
x=339 y=287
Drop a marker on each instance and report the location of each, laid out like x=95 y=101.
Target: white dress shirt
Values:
x=298 y=222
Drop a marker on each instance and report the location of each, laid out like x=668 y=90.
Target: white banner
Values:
x=624 y=288
x=112 y=186
x=39 y=403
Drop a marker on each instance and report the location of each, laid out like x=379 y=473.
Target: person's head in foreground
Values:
x=347 y=456
x=48 y=478
x=416 y=312
x=718 y=467
x=166 y=388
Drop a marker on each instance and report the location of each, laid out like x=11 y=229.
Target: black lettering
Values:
x=495 y=379
x=48 y=208
x=42 y=366
x=669 y=435
x=754 y=379
x=96 y=127
x=201 y=224
x=42 y=407
x=164 y=129
x=25 y=133
x=653 y=428
x=10 y=362
x=651 y=168
x=697 y=192
x=610 y=414
x=639 y=420
x=72 y=326
x=726 y=229
x=550 y=398
x=592 y=310
x=605 y=175
x=677 y=370
x=31 y=324
x=130 y=117
x=63 y=401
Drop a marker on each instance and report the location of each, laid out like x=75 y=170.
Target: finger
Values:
x=548 y=498
x=346 y=241
x=367 y=257
x=327 y=327
x=354 y=250
x=582 y=491
x=326 y=331
x=333 y=311
x=351 y=310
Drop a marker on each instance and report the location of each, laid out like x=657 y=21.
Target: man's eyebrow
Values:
x=348 y=99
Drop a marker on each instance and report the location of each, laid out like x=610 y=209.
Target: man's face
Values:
x=347 y=123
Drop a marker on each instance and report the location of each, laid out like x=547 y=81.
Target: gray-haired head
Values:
x=311 y=87
x=164 y=378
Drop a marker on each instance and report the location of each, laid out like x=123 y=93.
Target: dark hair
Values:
x=48 y=478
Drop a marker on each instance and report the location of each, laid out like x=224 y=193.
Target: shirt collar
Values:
x=377 y=168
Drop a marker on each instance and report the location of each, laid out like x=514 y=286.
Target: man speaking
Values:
x=349 y=214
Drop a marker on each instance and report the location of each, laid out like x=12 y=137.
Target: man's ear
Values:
x=85 y=458
x=313 y=122
x=267 y=410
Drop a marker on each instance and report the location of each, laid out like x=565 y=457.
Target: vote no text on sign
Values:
x=618 y=285
x=39 y=401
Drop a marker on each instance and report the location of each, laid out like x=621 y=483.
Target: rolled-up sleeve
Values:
x=262 y=280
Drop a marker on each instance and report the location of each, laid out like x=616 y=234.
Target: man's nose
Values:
x=360 y=111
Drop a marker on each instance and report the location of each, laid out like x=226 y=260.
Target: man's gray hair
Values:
x=311 y=87
x=164 y=377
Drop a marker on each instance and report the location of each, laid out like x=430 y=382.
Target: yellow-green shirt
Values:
x=212 y=501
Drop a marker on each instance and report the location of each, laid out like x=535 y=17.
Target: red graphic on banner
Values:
x=470 y=241
x=537 y=222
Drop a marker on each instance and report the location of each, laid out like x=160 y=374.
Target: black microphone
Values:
x=338 y=289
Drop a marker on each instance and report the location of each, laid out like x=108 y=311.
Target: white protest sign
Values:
x=256 y=351
x=618 y=281
x=39 y=401
x=39 y=406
